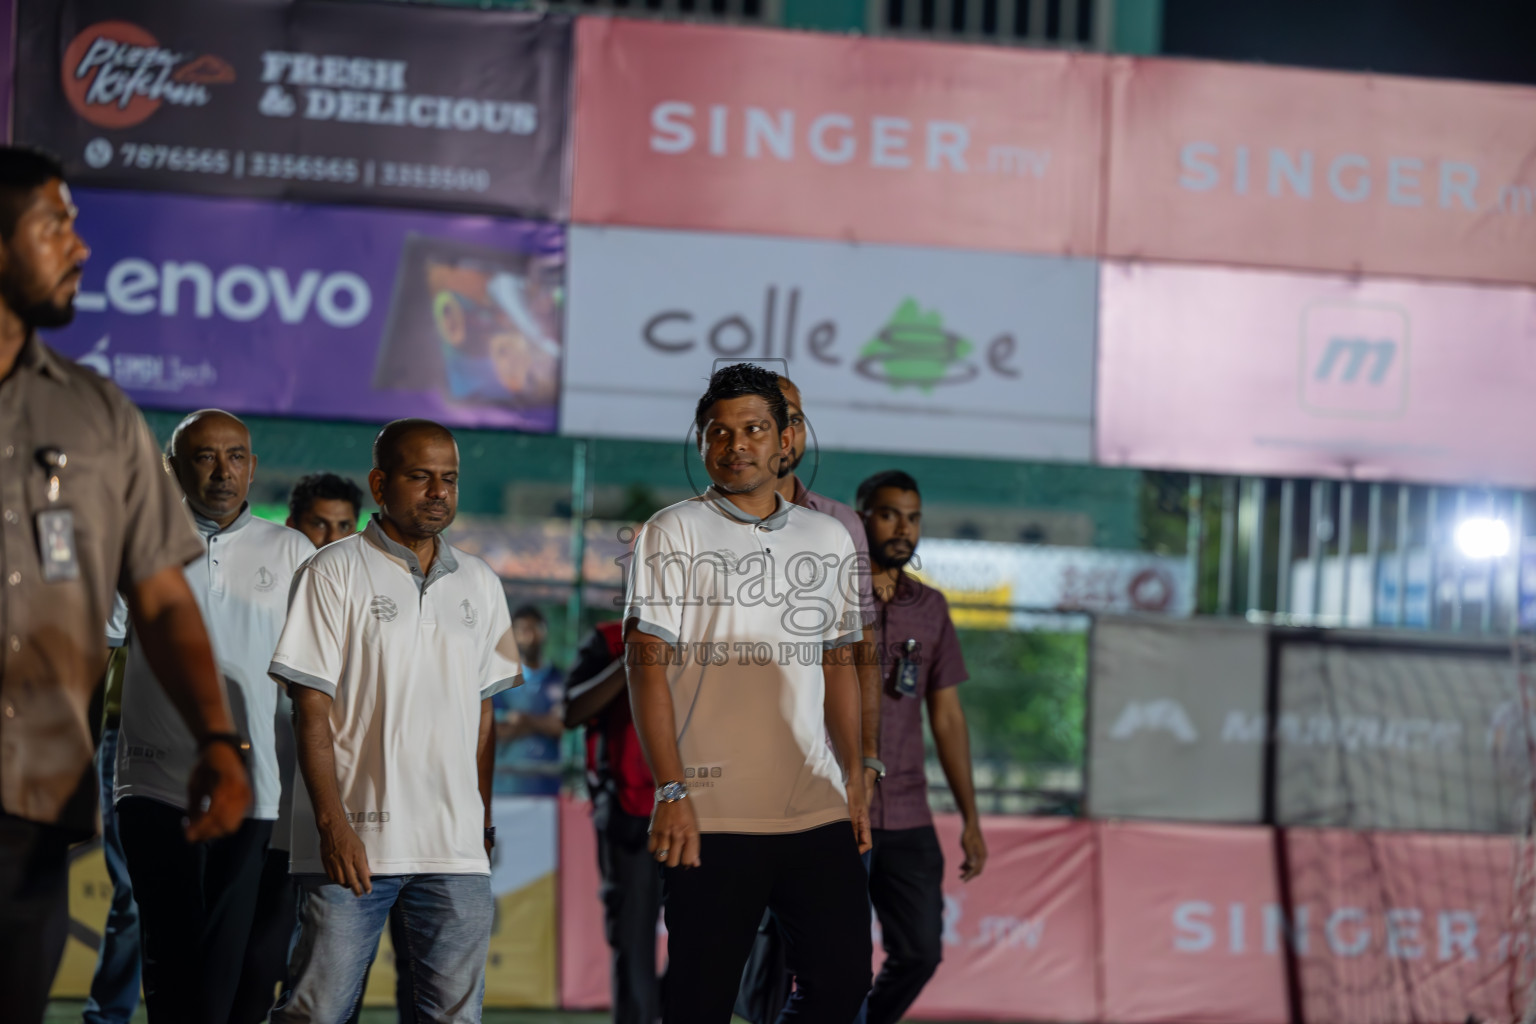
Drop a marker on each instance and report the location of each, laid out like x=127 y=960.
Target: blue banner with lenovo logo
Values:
x=321 y=312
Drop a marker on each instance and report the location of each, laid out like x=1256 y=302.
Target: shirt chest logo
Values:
x=265 y=581
x=467 y=613
x=383 y=608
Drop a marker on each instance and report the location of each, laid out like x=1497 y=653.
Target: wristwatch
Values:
x=671 y=792
x=877 y=766
x=234 y=741
x=490 y=835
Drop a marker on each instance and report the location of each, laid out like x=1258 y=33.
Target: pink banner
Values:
x=821 y=136
x=1158 y=924
x=1264 y=372
x=1318 y=170
x=1018 y=941
x=1389 y=927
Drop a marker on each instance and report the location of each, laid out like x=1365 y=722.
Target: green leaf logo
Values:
x=914 y=350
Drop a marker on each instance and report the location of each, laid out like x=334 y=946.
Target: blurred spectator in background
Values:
x=197 y=903
x=529 y=719
x=922 y=665
x=89 y=512
x=623 y=795
x=325 y=508
x=115 y=985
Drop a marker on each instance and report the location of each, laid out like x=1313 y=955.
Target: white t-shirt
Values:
x=241 y=584
x=749 y=606
x=406 y=659
x=117 y=625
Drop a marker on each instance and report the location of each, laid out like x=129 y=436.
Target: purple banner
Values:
x=323 y=312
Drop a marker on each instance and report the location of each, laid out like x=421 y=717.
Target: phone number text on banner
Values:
x=405 y=106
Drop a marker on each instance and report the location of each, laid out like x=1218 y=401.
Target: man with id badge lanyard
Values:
x=85 y=510
x=921 y=664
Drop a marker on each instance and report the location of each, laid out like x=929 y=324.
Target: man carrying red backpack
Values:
x=623 y=794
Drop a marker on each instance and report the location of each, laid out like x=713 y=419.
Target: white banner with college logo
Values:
x=894 y=348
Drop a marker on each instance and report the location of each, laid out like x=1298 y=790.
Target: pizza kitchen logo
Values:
x=116 y=74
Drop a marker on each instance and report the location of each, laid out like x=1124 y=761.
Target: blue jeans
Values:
x=447 y=928
x=115 y=986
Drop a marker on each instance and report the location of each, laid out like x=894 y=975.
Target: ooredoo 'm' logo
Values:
x=116 y=74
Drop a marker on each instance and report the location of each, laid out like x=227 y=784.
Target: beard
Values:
x=790 y=464
x=47 y=314
x=423 y=526
x=893 y=554
x=35 y=311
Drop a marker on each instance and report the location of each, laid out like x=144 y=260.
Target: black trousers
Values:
x=631 y=895
x=196 y=904
x=34 y=914
x=266 y=950
x=815 y=885
x=906 y=879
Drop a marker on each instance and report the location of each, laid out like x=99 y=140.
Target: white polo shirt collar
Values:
x=443 y=562
x=209 y=528
x=775 y=520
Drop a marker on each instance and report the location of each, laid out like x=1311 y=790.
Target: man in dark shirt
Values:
x=921 y=664
x=623 y=795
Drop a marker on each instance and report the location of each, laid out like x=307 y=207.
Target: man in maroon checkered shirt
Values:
x=920 y=664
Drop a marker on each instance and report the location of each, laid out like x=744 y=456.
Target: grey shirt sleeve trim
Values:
x=655 y=630
x=486 y=692
x=843 y=641
x=289 y=674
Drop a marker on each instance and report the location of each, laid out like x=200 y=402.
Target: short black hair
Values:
x=529 y=611
x=738 y=381
x=889 y=478
x=386 y=447
x=323 y=487
x=23 y=170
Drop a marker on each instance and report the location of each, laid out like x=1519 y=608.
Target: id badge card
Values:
x=906 y=670
x=56 y=545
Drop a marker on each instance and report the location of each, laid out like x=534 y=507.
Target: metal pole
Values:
x=1256 y=519
x=1373 y=549
x=1318 y=507
x=578 y=545
x=1460 y=564
x=1400 y=613
x=1432 y=537
x=1490 y=580
x=1517 y=552
x=1287 y=524
x=1345 y=532
x=1228 y=545
x=1194 y=537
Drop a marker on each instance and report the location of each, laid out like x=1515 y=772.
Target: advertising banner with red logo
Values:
x=1386 y=927
x=1018 y=940
x=1322 y=171
x=1245 y=371
x=724 y=129
x=396 y=104
x=894 y=348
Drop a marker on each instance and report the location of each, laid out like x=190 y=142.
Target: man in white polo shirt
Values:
x=196 y=902
x=394 y=646
x=741 y=614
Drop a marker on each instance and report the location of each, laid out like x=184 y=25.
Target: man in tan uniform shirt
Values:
x=86 y=509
